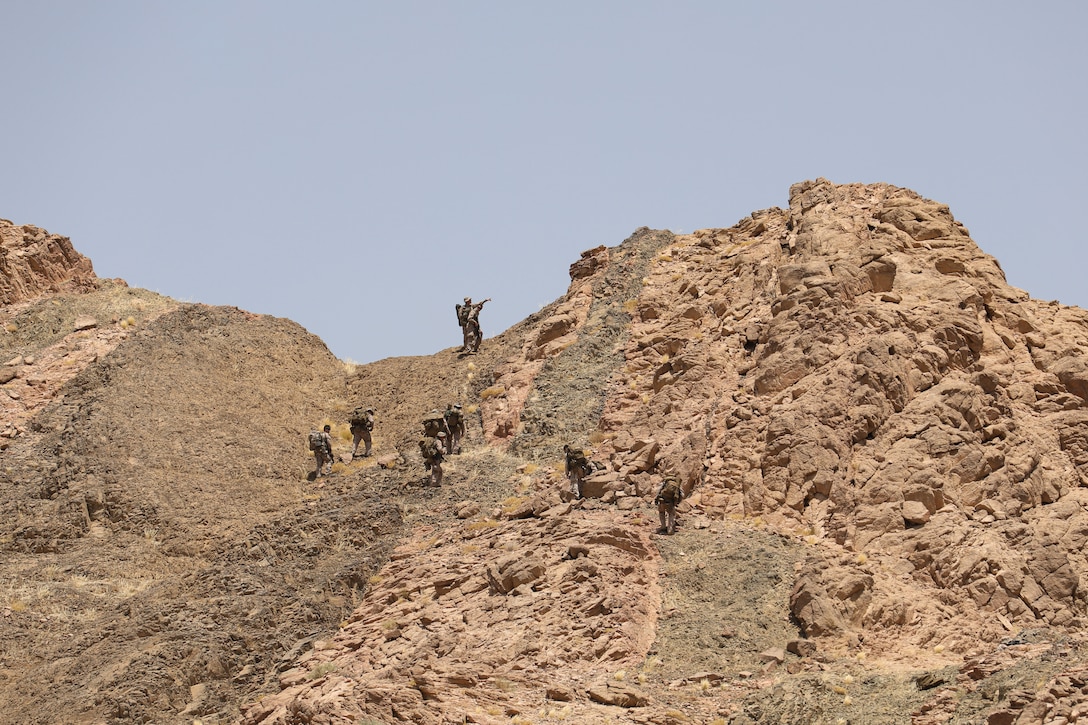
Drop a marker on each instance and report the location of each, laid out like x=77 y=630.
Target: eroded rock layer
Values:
x=33 y=261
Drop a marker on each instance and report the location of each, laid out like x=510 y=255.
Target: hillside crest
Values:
x=883 y=446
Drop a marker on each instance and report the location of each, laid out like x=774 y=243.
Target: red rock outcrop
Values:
x=851 y=372
x=32 y=262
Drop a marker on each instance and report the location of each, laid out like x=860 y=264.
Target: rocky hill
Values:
x=883 y=445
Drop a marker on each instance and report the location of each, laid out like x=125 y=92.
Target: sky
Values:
x=359 y=167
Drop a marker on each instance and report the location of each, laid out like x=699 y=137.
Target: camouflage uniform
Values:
x=668 y=496
x=577 y=469
x=362 y=423
x=468 y=316
x=462 y=320
x=455 y=423
x=431 y=451
x=434 y=424
x=323 y=455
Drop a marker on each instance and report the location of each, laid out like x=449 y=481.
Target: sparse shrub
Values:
x=861 y=558
x=374 y=579
x=321 y=670
x=619 y=675
x=482 y=524
x=595 y=437
x=11 y=327
x=389 y=625
x=131 y=321
x=630 y=306
x=512 y=503
x=493 y=392
x=470 y=409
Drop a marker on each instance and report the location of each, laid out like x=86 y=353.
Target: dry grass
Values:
x=493 y=392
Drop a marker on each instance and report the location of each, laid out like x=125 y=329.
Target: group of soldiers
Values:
x=669 y=495
x=442 y=434
x=361 y=422
x=443 y=431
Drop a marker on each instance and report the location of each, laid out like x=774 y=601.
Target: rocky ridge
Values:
x=882 y=442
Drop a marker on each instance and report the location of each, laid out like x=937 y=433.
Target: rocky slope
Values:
x=884 y=447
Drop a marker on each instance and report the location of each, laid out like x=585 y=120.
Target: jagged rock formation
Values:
x=32 y=261
x=853 y=370
x=883 y=445
x=856 y=369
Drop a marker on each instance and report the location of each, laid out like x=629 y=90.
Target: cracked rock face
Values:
x=33 y=262
x=883 y=449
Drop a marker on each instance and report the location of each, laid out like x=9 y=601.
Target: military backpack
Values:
x=359 y=419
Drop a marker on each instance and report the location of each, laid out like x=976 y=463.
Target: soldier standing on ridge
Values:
x=455 y=423
x=468 y=317
x=668 y=496
x=462 y=320
x=362 y=422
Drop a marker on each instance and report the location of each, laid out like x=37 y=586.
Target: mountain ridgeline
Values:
x=883 y=447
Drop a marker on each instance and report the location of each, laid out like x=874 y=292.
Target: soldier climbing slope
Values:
x=431 y=449
x=362 y=423
x=455 y=423
x=578 y=467
x=321 y=445
x=435 y=423
x=668 y=496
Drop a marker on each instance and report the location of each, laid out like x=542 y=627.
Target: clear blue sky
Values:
x=359 y=167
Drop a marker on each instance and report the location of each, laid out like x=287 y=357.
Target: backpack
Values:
x=430 y=449
x=433 y=423
x=358 y=419
x=670 y=493
x=453 y=417
x=462 y=314
x=317 y=442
